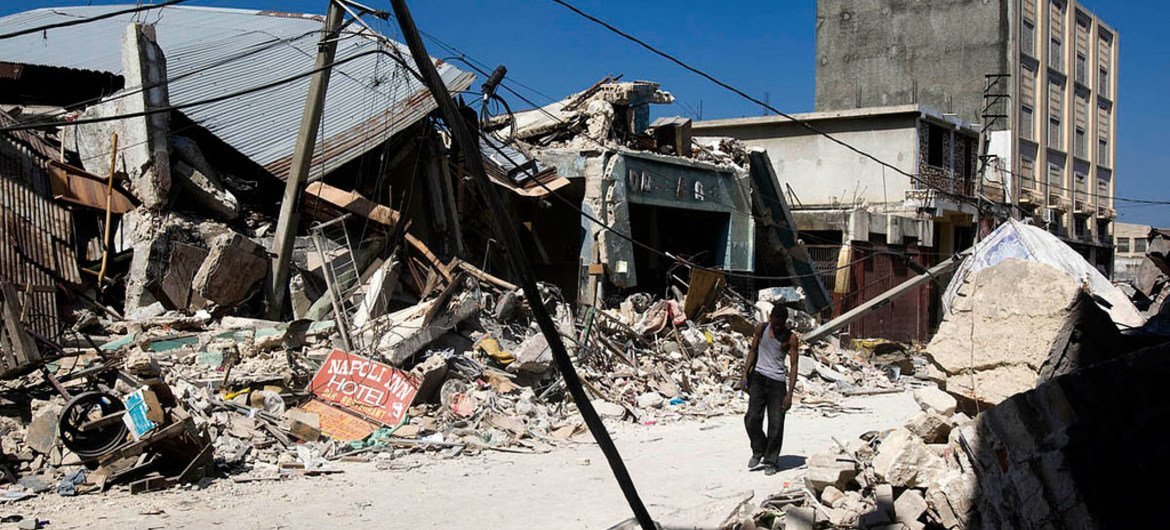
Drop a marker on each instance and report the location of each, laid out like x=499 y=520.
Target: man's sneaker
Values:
x=772 y=469
x=754 y=462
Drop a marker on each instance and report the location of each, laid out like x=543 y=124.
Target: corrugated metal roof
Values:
x=214 y=51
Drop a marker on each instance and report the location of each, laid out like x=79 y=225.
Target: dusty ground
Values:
x=690 y=474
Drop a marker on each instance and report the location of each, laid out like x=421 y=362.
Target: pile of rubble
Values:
x=1151 y=288
x=262 y=400
x=910 y=477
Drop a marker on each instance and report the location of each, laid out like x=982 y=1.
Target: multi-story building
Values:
x=869 y=226
x=1130 y=242
x=1040 y=76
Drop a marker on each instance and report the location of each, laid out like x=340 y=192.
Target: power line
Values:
x=757 y=101
x=764 y=104
x=87 y=20
x=618 y=233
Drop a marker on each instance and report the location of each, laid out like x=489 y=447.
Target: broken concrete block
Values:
x=430 y=373
x=232 y=270
x=909 y=506
x=829 y=469
x=199 y=179
x=606 y=409
x=951 y=499
x=410 y=334
x=958 y=418
x=378 y=291
x=797 y=518
x=649 y=400
x=883 y=496
x=303 y=424
x=935 y=401
x=932 y=428
x=904 y=461
x=199 y=188
x=532 y=356
x=873 y=519
x=832 y=496
x=506 y=306
x=41 y=435
x=1024 y=336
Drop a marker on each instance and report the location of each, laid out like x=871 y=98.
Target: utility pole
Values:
x=514 y=251
x=290 y=207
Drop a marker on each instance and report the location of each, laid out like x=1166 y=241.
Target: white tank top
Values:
x=771 y=357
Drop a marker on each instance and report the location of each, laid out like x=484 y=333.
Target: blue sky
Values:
x=764 y=47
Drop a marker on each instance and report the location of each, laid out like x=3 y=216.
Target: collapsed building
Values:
x=140 y=203
x=703 y=201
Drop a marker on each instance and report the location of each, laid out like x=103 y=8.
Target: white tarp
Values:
x=1014 y=239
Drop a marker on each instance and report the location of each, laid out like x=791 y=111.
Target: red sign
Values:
x=371 y=389
x=338 y=424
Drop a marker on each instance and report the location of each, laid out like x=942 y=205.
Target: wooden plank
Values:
x=351 y=201
x=704 y=288
x=78 y=186
x=23 y=348
x=475 y=272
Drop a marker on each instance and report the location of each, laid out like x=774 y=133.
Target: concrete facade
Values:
x=856 y=210
x=1129 y=243
x=619 y=181
x=873 y=53
x=1052 y=127
x=822 y=175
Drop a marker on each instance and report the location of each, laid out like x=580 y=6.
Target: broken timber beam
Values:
x=856 y=313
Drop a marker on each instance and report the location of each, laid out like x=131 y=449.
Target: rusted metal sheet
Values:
x=82 y=187
x=28 y=140
x=905 y=319
x=37 y=241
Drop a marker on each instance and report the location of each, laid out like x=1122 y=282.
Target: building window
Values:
x=1139 y=245
x=1082 y=64
x=1056 y=54
x=1103 y=81
x=1081 y=191
x=936 y=143
x=1054 y=140
x=1081 y=148
x=1027 y=173
x=1027 y=123
x=1054 y=180
x=1103 y=192
x=1123 y=244
x=1103 y=152
x=1028 y=38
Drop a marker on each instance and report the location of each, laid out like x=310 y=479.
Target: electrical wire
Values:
x=761 y=103
x=618 y=233
x=86 y=20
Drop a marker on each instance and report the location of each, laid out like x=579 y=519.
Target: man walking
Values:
x=770 y=386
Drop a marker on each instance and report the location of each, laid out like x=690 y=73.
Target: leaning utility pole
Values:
x=514 y=251
x=290 y=209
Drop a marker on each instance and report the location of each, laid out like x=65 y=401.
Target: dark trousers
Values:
x=765 y=397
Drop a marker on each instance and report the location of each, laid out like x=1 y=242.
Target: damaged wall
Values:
x=144 y=152
x=1083 y=450
x=1002 y=338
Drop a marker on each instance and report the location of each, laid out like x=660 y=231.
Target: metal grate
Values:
x=341 y=275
